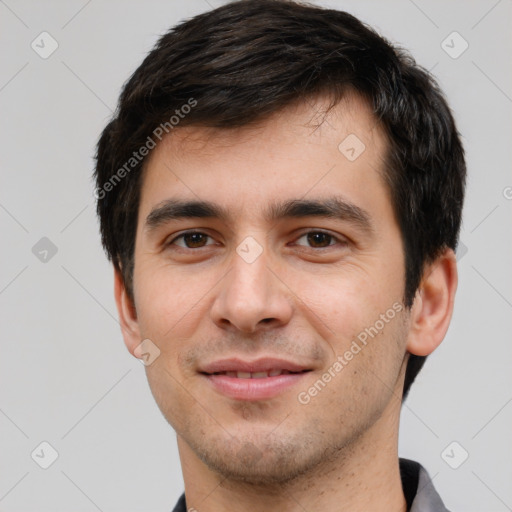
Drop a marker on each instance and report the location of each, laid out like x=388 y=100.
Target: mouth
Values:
x=255 y=375
x=262 y=379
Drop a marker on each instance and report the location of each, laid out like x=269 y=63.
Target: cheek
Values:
x=364 y=376
x=346 y=300
x=171 y=394
x=361 y=317
x=169 y=300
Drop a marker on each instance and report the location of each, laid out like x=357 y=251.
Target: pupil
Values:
x=316 y=238
x=194 y=239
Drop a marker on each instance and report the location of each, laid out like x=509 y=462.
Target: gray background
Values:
x=66 y=377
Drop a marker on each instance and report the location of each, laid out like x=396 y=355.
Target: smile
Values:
x=262 y=379
x=255 y=375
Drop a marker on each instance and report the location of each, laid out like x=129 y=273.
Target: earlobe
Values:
x=127 y=314
x=433 y=305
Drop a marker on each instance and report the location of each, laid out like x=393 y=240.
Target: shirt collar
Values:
x=426 y=499
x=416 y=483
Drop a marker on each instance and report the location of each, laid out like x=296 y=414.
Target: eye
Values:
x=198 y=239
x=320 y=239
x=191 y=240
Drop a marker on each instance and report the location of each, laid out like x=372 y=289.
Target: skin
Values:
x=298 y=300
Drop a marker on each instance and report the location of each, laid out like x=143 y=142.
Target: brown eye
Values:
x=191 y=240
x=318 y=239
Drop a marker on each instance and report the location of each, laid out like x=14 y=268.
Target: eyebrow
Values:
x=331 y=207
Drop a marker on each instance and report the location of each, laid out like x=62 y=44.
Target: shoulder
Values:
x=181 y=505
x=419 y=491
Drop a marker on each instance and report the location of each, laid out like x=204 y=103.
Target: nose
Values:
x=251 y=297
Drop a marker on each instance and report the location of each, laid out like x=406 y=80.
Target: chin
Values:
x=266 y=461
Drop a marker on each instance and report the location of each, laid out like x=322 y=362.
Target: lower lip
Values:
x=254 y=389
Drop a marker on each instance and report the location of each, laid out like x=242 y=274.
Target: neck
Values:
x=363 y=476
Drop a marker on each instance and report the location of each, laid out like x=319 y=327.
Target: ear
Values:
x=433 y=305
x=127 y=315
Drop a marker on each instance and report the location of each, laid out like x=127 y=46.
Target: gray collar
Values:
x=427 y=499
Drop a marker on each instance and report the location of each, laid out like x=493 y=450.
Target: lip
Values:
x=259 y=365
x=253 y=389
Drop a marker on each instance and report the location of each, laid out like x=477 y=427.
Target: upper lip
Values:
x=258 y=365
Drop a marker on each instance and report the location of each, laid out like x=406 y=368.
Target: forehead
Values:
x=309 y=119
x=299 y=150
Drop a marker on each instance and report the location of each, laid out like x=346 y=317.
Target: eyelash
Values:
x=313 y=231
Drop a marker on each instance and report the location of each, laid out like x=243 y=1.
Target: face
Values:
x=276 y=307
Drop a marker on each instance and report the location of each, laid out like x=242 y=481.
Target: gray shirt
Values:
x=425 y=497
x=419 y=491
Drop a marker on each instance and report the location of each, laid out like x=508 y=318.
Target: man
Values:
x=280 y=193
